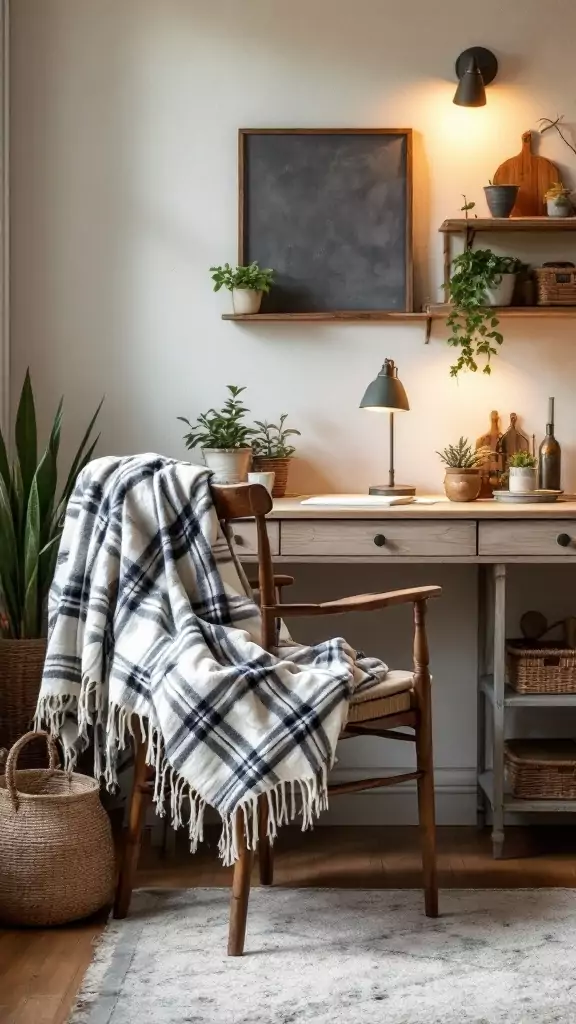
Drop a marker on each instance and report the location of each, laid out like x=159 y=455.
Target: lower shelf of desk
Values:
x=511 y=803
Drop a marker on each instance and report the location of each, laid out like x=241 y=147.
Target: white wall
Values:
x=124 y=120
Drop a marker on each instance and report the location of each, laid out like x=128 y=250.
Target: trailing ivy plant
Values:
x=473 y=326
x=224 y=429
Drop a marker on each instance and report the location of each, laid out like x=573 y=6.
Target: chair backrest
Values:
x=247 y=501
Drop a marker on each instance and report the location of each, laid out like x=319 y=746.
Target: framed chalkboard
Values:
x=331 y=211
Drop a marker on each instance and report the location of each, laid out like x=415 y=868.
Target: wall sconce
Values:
x=475 y=68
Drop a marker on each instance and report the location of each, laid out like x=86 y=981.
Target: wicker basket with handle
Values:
x=21 y=665
x=556 y=285
x=540 y=666
x=541 y=769
x=56 y=849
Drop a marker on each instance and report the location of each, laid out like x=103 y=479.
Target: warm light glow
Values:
x=381 y=408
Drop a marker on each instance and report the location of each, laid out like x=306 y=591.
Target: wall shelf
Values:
x=333 y=316
x=459 y=225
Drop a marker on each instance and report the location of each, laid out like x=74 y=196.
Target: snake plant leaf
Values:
x=4 y=464
x=78 y=464
x=47 y=563
x=8 y=561
x=31 y=617
x=26 y=436
x=31 y=552
x=65 y=497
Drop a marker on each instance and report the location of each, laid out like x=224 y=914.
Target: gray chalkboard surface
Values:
x=331 y=212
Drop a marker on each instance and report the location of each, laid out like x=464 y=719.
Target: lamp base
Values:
x=398 y=490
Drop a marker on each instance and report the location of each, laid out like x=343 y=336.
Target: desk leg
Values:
x=499 y=575
x=482 y=612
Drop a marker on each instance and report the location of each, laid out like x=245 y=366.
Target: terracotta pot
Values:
x=462 y=484
x=21 y=667
x=280 y=467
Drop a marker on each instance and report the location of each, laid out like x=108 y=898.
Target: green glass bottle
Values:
x=549 y=456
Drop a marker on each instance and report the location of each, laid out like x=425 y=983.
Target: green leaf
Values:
x=77 y=461
x=26 y=436
x=8 y=560
x=31 y=616
x=4 y=464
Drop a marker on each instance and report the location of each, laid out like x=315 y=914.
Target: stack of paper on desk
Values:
x=365 y=500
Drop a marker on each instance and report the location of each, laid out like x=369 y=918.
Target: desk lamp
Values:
x=386 y=394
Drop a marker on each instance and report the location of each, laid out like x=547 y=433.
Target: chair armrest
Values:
x=362 y=602
x=280 y=580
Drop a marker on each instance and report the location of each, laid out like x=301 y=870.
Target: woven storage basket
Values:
x=56 y=849
x=541 y=769
x=540 y=666
x=555 y=286
x=280 y=467
x=21 y=665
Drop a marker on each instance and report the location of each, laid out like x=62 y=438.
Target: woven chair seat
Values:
x=388 y=697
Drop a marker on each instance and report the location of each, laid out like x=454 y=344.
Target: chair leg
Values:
x=131 y=850
x=425 y=761
x=265 y=849
x=240 y=892
x=426 y=814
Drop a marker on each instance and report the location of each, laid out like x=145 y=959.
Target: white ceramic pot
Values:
x=229 y=465
x=522 y=480
x=246 y=300
x=561 y=207
x=266 y=479
x=501 y=294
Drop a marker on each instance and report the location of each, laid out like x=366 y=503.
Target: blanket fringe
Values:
x=169 y=786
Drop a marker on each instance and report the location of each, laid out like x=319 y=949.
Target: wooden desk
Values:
x=485 y=533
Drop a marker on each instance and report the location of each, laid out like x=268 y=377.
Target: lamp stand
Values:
x=396 y=490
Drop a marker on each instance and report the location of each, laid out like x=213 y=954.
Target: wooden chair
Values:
x=376 y=712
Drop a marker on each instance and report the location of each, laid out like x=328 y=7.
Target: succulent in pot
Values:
x=558 y=202
x=32 y=507
x=480 y=280
x=247 y=284
x=273 y=452
x=225 y=438
x=522 y=473
x=463 y=464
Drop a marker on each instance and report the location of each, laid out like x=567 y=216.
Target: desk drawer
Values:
x=527 y=538
x=244 y=533
x=378 y=538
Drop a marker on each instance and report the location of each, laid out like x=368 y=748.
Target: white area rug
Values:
x=329 y=956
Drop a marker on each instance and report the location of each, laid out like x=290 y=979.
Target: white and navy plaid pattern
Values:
x=149 y=617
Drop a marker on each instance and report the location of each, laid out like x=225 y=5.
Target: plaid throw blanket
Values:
x=153 y=628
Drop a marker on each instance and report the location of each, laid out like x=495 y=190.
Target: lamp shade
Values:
x=471 y=91
x=386 y=391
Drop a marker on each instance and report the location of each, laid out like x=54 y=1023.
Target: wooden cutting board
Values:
x=534 y=174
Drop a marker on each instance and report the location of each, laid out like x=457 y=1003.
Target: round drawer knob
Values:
x=238 y=540
x=564 y=540
x=379 y=540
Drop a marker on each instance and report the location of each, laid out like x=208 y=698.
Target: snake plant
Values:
x=31 y=517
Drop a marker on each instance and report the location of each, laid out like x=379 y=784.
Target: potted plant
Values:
x=480 y=279
x=463 y=464
x=522 y=473
x=558 y=203
x=247 y=284
x=224 y=439
x=272 y=452
x=500 y=198
x=31 y=521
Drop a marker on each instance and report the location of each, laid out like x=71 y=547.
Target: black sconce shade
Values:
x=475 y=68
x=386 y=392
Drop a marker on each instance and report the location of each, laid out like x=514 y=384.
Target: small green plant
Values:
x=31 y=517
x=271 y=440
x=467 y=207
x=522 y=460
x=464 y=456
x=252 y=276
x=225 y=429
x=557 y=191
x=473 y=326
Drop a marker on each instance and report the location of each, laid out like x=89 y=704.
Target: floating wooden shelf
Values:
x=442 y=310
x=344 y=316
x=460 y=224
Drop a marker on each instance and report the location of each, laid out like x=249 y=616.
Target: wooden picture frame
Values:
x=362 y=192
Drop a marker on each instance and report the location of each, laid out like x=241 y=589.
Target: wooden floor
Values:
x=41 y=971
